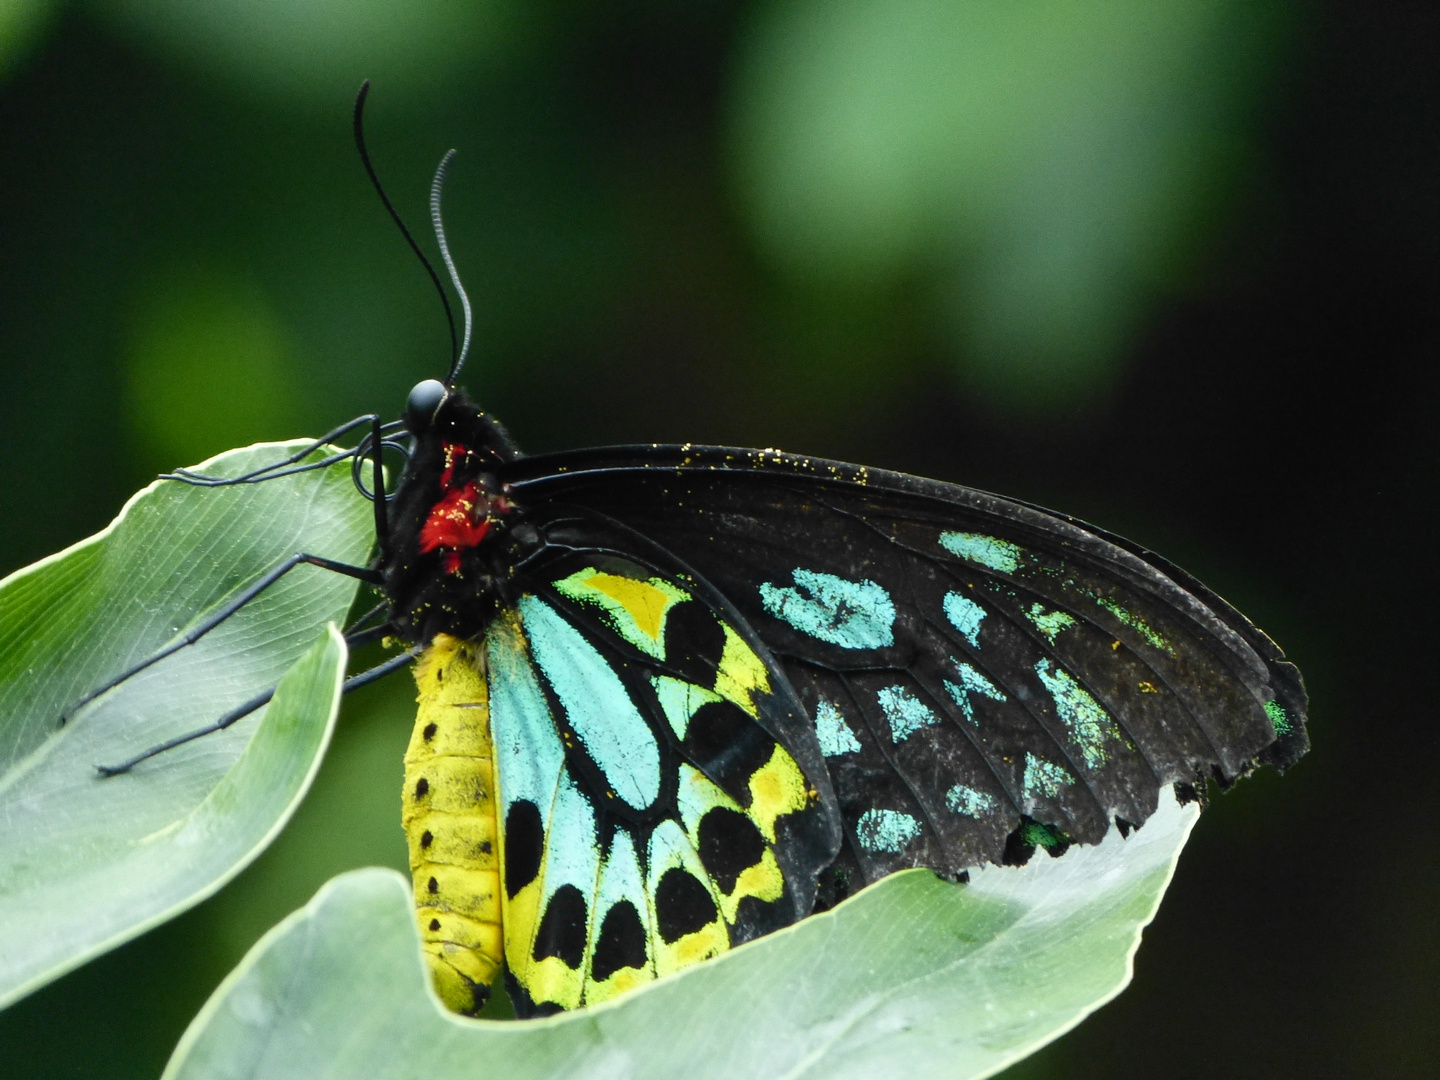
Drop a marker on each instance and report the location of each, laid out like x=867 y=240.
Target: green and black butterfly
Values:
x=673 y=698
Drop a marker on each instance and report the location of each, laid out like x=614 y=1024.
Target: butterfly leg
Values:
x=379 y=671
x=195 y=633
x=378 y=498
x=288 y=465
x=361 y=628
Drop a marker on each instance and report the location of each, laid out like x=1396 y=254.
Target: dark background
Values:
x=1168 y=266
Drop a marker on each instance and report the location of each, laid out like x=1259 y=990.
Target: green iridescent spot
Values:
x=634 y=608
x=1044 y=778
x=1136 y=623
x=969 y=802
x=1088 y=722
x=988 y=551
x=850 y=614
x=1049 y=623
x=886 y=830
x=1279 y=718
x=1034 y=834
x=834 y=734
x=906 y=713
x=971 y=682
x=965 y=615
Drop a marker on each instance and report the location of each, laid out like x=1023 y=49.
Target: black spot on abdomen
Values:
x=524 y=845
x=621 y=942
x=562 y=929
x=682 y=905
x=729 y=844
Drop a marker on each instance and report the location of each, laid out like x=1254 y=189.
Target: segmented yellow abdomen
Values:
x=448 y=811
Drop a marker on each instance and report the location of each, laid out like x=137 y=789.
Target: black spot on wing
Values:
x=562 y=929
x=620 y=943
x=840 y=880
x=694 y=642
x=728 y=746
x=682 y=905
x=729 y=844
x=524 y=846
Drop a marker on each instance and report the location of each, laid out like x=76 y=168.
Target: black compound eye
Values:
x=424 y=402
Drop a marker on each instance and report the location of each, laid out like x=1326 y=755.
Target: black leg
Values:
x=277 y=469
x=383 y=607
x=209 y=623
x=379 y=671
x=377 y=481
x=358 y=639
x=299 y=455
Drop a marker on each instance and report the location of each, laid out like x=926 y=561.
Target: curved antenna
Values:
x=439 y=224
x=395 y=216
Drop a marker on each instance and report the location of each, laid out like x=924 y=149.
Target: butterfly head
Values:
x=437 y=415
x=424 y=405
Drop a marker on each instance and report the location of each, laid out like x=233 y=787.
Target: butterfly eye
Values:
x=424 y=402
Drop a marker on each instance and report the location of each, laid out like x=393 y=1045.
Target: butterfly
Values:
x=673 y=698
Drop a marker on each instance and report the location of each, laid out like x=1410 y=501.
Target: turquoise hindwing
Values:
x=617 y=692
x=596 y=704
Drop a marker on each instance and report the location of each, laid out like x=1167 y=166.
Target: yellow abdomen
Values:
x=448 y=811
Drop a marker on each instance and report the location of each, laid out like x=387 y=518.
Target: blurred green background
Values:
x=1170 y=265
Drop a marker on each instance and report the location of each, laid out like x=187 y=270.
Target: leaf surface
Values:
x=914 y=977
x=87 y=862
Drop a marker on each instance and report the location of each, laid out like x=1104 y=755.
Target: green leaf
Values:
x=89 y=862
x=914 y=977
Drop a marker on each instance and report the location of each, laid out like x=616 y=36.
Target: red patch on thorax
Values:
x=462 y=517
x=453 y=452
x=457 y=521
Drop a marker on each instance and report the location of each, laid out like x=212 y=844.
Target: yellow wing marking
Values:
x=777 y=787
x=550 y=980
x=522 y=917
x=623 y=980
x=647 y=602
x=764 y=881
x=448 y=811
x=697 y=795
x=571 y=857
x=670 y=847
x=635 y=607
x=705 y=943
x=621 y=882
x=741 y=673
x=547 y=979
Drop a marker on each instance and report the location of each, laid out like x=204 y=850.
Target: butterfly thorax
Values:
x=456 y=531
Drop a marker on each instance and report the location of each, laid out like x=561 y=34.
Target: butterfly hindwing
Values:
x=983 y=677
x=650 y=818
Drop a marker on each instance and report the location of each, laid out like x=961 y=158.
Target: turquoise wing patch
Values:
x=649 y=818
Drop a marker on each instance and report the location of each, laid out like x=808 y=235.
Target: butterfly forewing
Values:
x=981 y=676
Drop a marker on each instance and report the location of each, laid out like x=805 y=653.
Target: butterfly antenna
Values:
x=395 y=216
x=439 y=223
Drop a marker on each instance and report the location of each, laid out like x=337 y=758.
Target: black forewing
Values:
x=1040 y=679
